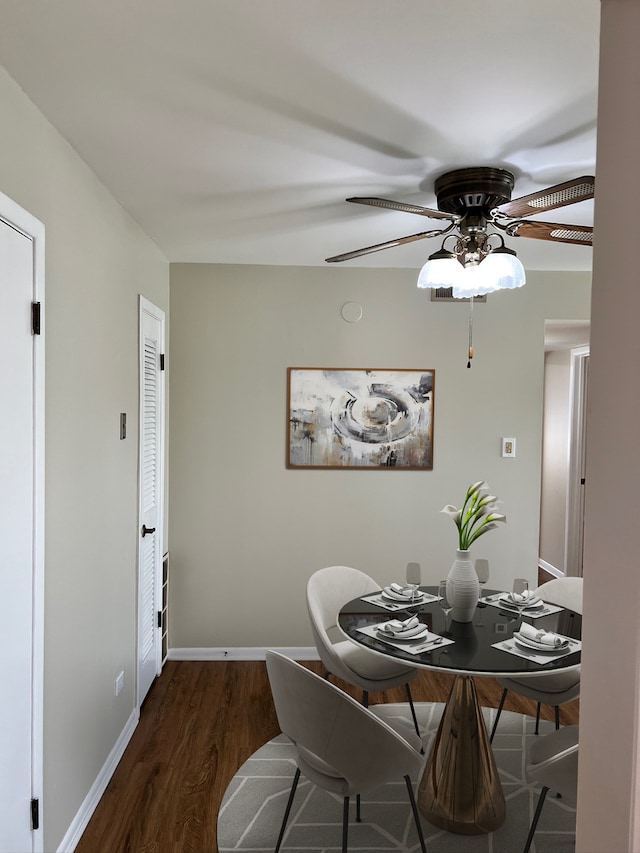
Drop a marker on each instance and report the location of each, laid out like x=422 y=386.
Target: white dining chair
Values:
x=555 y=689
x=328 y=590
x=553 y=762
x=341 y=746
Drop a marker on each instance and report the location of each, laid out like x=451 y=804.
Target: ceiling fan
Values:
x=478 y=199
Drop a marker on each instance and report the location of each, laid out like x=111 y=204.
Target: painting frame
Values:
x=360 y=418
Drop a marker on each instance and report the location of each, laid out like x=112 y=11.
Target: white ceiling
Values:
x=233 y=130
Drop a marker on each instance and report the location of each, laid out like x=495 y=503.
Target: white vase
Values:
x=463 y=588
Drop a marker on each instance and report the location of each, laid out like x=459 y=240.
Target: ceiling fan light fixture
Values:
x=474 y=275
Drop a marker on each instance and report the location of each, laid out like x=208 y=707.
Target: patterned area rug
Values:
x=254 y=803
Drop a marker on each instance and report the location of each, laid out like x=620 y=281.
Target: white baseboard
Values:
x=557 y=573
x=80 y=821
x=237 y=653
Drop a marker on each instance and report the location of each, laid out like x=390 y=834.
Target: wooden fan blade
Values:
x=559 y=195
x=379 y=246
x=404 y=208
x=553 y=231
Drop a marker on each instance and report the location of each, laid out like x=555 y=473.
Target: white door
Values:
x=21 y=563
x=151 y=490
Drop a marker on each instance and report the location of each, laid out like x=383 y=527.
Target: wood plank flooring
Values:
x=199 y=723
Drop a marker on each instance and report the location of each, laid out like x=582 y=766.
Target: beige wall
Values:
x=97 y=261
x=555 y=458
x=246 y=533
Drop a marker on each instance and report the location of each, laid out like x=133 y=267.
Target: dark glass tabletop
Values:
x=472 y=651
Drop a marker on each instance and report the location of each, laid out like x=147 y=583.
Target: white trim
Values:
x=23 y=221
x=86 y=810
x=574 y=531
x=238 y=653
x=552 y=570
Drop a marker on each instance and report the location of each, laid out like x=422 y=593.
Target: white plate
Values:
x=417 y=636
x=539 y=647
x=393 y=596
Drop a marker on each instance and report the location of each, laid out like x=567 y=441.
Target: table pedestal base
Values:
x=460 y=790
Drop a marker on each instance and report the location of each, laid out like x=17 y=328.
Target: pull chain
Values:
x=470 y=331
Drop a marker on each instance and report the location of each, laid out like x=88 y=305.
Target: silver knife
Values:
x=435 y=642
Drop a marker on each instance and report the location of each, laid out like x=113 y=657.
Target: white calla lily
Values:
x=477 y=516
x=475 y=488
x=450 y=510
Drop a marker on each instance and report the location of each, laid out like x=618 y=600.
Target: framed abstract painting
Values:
x=360 y=418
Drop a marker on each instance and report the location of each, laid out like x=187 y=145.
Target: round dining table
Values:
x=460 y=790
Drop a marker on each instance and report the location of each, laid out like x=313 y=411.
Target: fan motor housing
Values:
x=476 y=190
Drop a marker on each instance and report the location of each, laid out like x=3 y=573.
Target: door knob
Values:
x=146 y=530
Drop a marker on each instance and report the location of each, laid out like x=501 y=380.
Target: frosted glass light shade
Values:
x=502 y=271
x=440 y=272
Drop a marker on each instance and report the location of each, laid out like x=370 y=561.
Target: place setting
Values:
x=540 y=646
x=521 y=600
x=398 y=597
x=401 y=597
x=411 y=635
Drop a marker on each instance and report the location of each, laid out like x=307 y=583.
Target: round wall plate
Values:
x=351 y=312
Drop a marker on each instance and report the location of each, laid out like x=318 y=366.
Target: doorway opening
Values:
x=563 y=447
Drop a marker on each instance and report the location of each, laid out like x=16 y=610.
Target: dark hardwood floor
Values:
x=199 y=723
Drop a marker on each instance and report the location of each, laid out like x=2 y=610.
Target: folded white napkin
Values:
x=400 y=590
x=407 y=628
x=520 y=598
x=546 y=638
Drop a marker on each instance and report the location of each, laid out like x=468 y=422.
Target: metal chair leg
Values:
x=534 y=822
x=413 y=710
x=538 y=718
x=499 y=711
x=557 y=713
x=365 y=698
x=416 y=815
x=288 y=809
x=345 y=824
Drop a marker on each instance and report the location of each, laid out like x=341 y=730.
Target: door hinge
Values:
x=159 y=618
x=161 y=361
x=35 y=318
x=35 y=814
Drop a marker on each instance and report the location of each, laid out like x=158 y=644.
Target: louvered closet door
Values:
x=151 y=489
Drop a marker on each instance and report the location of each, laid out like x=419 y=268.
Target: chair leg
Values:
x=538 y=718
x=495 y=722
x=413 y=710
x=557 y=713
x=358 y=808
x=365 y=698
x=288 y=809
x=534 y=822
x=345 y=824
x=416 y=815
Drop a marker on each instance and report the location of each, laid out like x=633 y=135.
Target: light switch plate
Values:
x=508 y=447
